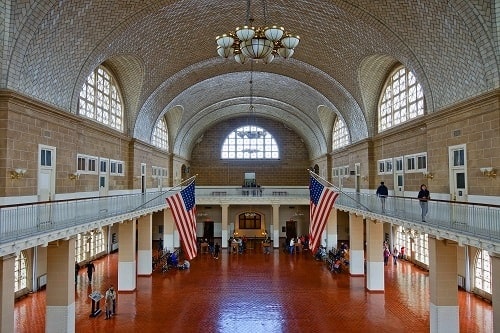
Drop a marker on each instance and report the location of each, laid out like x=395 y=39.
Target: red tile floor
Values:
x=254 y=292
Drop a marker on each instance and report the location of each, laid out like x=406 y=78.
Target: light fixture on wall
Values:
x=74 y=176
x=202 y=214
x=364 y=178
x=256 y=43
x=250 y=214
x=428 y=175
x=17 y=173
x=489 y=172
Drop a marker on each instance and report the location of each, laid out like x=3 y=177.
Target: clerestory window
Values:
x=402 y=99
x=340 y=134
x=100 y=99
x=160 y=135
x=250 y=142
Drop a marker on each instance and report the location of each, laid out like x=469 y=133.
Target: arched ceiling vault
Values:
x=163 y=56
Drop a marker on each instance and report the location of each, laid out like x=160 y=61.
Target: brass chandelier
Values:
x=253 y=43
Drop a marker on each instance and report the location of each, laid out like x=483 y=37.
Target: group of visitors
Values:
x=423 y=197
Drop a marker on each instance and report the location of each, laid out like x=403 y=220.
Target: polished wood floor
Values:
x=255 y=292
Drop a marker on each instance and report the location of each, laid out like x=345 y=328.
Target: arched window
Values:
x=402 y=100
x=160 y=135
x=100 y=99
x=249 y=142
x=482 y=272
x=20 y=274
x=340 y=134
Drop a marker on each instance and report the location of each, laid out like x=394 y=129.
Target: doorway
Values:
x=208 y=230
x=103 y=177
x=46 y=172
x=291 y=229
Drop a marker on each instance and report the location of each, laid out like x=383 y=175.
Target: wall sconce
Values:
x=364 y=178
x=17 y=173
x=74 y=176
x=489 y=171
x=428 y=175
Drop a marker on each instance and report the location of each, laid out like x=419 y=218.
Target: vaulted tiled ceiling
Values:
x=164 y=55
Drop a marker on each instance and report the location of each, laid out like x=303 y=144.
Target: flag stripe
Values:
x=184 y=213
x=322 y=200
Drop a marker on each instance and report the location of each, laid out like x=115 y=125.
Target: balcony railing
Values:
x=27 y=221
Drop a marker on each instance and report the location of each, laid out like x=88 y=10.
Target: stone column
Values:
x=374 y=256
x=168 y=230
x=60 y=290
x=331 y=229
x=145 y=245
x=495 y=289
x=224 y=223
x=276 y=225
x=7 y=267
x=443 y=288
x=127 y=270
x=356 y=245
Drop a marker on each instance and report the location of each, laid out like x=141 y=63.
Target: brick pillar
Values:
x=60 y=290
x=374 y=256
x=127 y=270
x=331 y=230
x=145 y=245
x=356 y=247
x=7 y=266
x=443 y=289
x=276 y=226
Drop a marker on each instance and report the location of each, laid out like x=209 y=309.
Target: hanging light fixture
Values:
x=253 y=43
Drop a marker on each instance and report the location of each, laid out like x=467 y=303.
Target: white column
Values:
x=60 y=290
x=374 y=255
x=168 y=230
x=145 y=245
x=443 y=290
x=331 y=229
x=356 y=246
x=7 y=267
x=495 y=289
x=224 y=225
x=276 y=225
x=127 y=270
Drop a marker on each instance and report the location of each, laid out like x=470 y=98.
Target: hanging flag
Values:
x=183 y=209
x=322 y=199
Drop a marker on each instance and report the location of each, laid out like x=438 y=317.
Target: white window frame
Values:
x=415 y=163
x=385 y=166
x=88 y=161
x=116 y=165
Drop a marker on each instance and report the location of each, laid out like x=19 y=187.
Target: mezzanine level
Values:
x=27 y=225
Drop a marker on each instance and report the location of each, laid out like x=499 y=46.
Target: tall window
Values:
x=100 y=99
x=482 y=272
x=160 y=135
x=402 y=100
x=422 y=248
x=20 y=273
x=340 y=134
x=249 y=142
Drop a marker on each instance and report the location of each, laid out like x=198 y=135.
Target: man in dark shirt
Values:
x=382 y=193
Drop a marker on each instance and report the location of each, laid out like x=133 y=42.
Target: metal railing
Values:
x=23 y=221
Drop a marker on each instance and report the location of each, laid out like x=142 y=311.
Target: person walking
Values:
x=382 y=193
x=387 y=253
x=423 y=197
x=90 y=270
x=395 y=255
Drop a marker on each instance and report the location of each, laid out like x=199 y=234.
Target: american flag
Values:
x=183 y=209
x=321 y=204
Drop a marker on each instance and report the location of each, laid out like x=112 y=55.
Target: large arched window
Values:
x=250 y=142
x=160 y=135
x=20 y=274
x=482 y=272
x=402 y=100
x=340 y=134
x=100 y=99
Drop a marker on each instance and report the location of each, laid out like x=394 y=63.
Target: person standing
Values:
x=382 y=193
x=423 y=197
x=77 y=270
x=109 y=302
x=387 y=253
x=90 y=270
x=395 y=255
x=216 y=250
